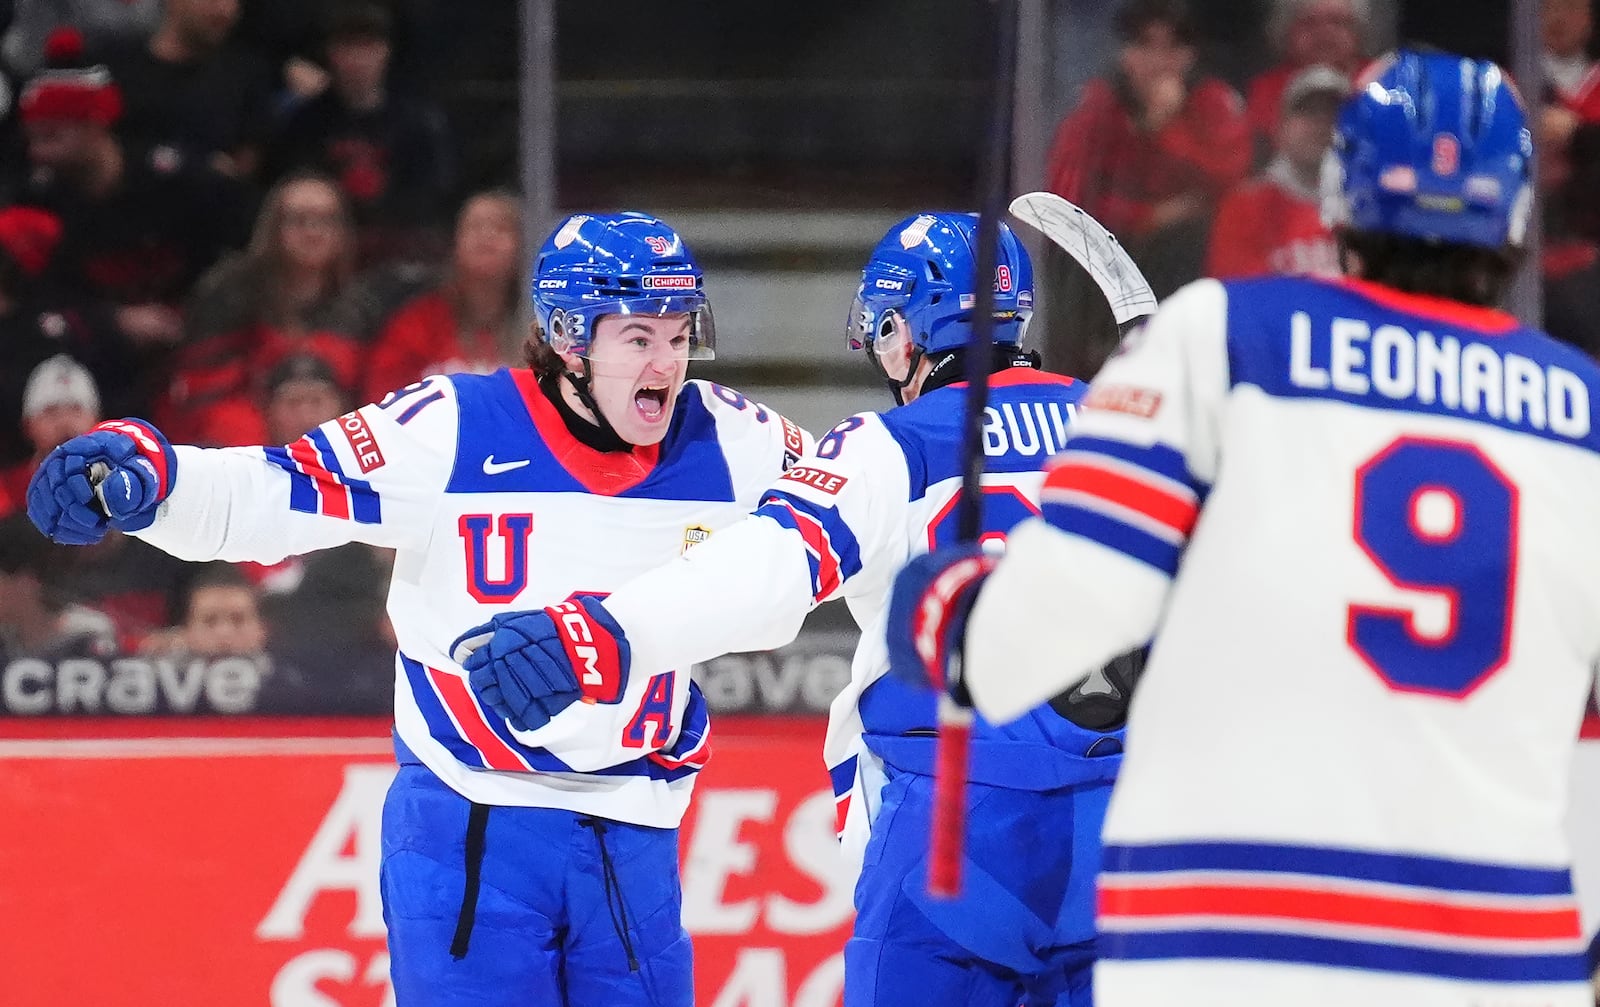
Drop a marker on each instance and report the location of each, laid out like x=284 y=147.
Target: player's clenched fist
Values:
x=928 y=616
x=529 y=666
x=130 y=463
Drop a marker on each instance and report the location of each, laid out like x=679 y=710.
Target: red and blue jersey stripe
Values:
x=481 y=739
x=843 y=778
x=831 y=547
x=692 y=750
x=318 y=483
x=1340 y=908
x=1139 y=500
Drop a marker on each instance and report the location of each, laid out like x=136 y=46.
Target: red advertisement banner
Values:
x=237 y=863
x=234 y=861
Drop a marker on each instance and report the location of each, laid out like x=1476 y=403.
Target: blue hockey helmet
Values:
x=924 y=271
x=627 y=263
x=1435 y=147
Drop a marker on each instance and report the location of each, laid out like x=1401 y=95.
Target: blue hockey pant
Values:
x=1022 y=929
x=527 y=907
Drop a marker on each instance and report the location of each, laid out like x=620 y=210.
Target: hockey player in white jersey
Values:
x=882 y=487
x=529 y=858
x=1359 y=518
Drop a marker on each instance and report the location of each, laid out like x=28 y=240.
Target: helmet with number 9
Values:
x=628 y=263
x=924 y=272
x=1432 y=147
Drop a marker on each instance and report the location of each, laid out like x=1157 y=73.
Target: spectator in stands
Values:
x=1565 y=28
x=182 y=87
x=1273 y=223
x=103 y=23
x=469 y=322
x=33 y=328
x=1153 y=146
x=221 y=614
x=302 y=394
x=1569 y=99
x=1569 y=203
x=291 y=290
x=36 y=619
x=1306 y=32
x=59 y=402
x=388 y=151
x=329 y=602
x=137 y=226
x=121 y=576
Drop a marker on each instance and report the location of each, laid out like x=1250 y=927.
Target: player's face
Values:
x=224 y=621
x=637 y=364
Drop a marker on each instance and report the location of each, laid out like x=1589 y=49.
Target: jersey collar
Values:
x=604 y=473
x=1490 y=321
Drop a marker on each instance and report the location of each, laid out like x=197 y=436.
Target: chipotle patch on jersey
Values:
x=1141 y=402
x=794 y=442
x=362 y=442
x=824 y=482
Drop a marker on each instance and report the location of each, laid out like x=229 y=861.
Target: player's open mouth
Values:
x=651 y=403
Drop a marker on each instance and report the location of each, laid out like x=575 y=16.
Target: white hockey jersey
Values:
x=1363 y=528
x=880 y=488
x=493 y=506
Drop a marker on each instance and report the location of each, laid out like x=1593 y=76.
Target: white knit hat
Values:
x=59 y=381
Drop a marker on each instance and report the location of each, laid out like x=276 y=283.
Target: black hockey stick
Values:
x=994 y=171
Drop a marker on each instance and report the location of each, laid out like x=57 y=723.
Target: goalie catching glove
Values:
x=529 y=666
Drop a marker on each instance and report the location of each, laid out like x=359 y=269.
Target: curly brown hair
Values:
x=540 y=356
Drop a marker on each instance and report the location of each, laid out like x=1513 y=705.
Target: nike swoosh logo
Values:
x=494 y=468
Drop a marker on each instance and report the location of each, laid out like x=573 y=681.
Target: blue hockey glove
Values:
x=529 y=666
x=928 y=610
x=114 y=476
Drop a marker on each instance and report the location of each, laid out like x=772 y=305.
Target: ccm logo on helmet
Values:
x=883 y=284
x=674 y=282
x=552 y=284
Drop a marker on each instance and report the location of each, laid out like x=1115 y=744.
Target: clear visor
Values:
x=883 y=335
x=639 y=330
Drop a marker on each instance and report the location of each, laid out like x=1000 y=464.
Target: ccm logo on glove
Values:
x=592 y=651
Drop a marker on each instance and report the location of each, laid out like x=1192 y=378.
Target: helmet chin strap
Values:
x=580 y=384
x=898 y=388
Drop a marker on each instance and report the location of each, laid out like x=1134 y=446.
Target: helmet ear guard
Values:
x=557 y=336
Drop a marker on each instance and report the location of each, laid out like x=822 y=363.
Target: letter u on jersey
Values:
x=512 y=534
